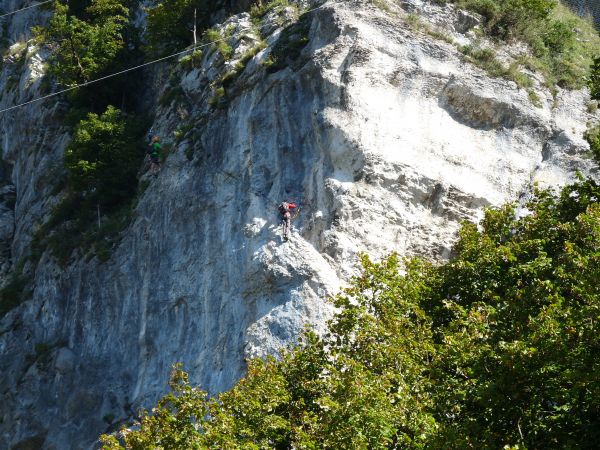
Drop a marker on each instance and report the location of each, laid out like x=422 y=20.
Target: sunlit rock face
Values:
x=383 y=134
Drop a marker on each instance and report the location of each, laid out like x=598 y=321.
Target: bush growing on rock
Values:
x=170 y=23
x=562 y=44
x=104 y=157
x=498 y=348
x=85 y=47
x=509 y=18
x=595 y=79
x=593 y=138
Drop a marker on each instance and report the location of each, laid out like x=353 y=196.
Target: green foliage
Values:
x=510 y=18
x=85 y=47
x=170 y=23
x=73 y=225
x=88 y=39
x=290 y=44
x=499 y=348
x=104 y=157
x=102 y=163
x=192 y=60
x=563 y=44
x=220 y=41
x=221 y=86
x=514 y=312
x=485 y=58
x=260 y=9
x=218 y=97
x=594 y=82
x=592 y=135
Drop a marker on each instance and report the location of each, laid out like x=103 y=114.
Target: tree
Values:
x=84 y=48
x=517 y=313
x=170 y=23
x=104 y=156
x=498 y=348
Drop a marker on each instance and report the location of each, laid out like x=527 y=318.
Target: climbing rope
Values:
x=87 y=83
x=23 y=9
x=97 y=80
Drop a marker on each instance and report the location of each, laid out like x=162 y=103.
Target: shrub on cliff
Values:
x=593 y=137
x=170 y=23
x=562 y=44
x=498 y=348
x=509 y=18
x=104 y=156
x=595 y=79
x=102 y=162
x=83 y=47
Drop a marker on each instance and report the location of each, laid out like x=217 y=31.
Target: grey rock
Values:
x=466 y=21
x=65 y=360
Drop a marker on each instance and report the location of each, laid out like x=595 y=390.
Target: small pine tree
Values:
x=84 y=48
x=104 y=156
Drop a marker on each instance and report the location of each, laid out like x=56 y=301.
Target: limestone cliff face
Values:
x=387 y=137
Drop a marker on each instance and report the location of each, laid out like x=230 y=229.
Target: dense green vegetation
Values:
x=509 y=18
x=102 y=162
x=562 y=44
x=171 y=23
x=89 y=39
x=104 y=157
x=595 y=79
x=593 y=138
x=499 y=348
x=85 y=47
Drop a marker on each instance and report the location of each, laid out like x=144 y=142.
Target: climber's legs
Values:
x=286 y=223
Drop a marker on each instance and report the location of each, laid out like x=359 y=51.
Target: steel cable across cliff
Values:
x=23 y=9
x=191 y=49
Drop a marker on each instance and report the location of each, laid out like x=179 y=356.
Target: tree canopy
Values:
x=498 y=348
x=86 y=46
x=170 y=23
x=104 y=157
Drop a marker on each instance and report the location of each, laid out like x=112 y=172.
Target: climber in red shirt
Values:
x=285 y=210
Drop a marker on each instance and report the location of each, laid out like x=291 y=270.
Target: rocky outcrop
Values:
x=386 y=136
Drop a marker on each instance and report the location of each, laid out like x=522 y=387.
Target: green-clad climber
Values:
x=154 y=153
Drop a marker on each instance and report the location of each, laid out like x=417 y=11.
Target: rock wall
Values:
x=386 y=136
x=586 y=7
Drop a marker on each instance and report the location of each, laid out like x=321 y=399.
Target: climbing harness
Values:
x=287 y=217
